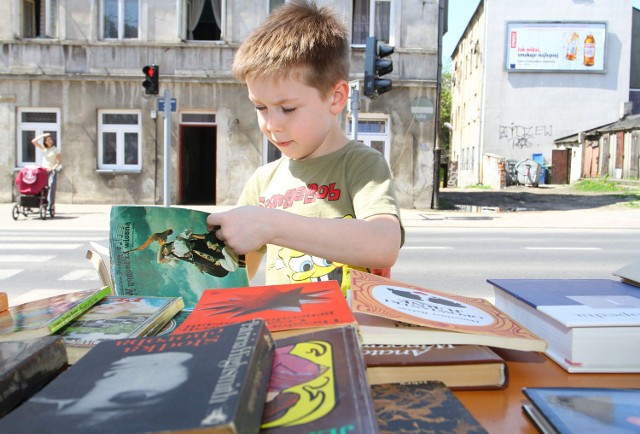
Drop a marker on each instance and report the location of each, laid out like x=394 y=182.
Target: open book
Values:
x=169 y=252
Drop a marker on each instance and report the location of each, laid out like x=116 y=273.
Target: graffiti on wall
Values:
x=521 y=136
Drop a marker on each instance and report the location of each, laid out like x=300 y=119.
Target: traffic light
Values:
x=376 y=66
x=151 y=77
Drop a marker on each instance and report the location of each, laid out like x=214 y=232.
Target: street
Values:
x=450 y=251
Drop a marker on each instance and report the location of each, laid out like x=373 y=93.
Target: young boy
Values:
x=328 y=201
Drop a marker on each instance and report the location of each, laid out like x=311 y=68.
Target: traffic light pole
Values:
x=167 y=145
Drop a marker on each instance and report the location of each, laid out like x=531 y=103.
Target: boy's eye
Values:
x=260 y=108
x=288 y=110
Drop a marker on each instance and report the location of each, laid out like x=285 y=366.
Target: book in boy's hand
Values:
x=26 y=366
x=591 y=325
x=47 y=315
x=214 y=381
x=575 y=410
x=287 y=308
x=393 y=312
x=169 y=252
x=318 y=385
x=458 y=366
x=422 y=407
x=117 y=317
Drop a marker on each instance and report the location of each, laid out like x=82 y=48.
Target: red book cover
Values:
x=286 y=307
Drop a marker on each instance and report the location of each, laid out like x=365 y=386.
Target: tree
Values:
x=445 y=111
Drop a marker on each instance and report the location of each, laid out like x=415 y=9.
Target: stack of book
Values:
x=591 y=325
x=184 y=333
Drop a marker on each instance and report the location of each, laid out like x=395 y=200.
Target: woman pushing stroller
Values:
x=52 y=161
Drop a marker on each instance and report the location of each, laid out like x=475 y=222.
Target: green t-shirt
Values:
x=352 y=182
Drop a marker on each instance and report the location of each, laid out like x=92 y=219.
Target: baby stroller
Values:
x=32 y=183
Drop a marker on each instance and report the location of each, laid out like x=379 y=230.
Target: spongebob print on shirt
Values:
x=302 y=267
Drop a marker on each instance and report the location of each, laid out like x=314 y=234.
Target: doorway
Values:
x=197 y=165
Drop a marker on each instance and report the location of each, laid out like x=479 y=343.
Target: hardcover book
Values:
x=591 y=325
x=26 y=366
x=48 y=315
x=117 y=317
x=423 y=407
x=174 y=322
x=629 y=273
x=318 y=385
x=457 y=366
x=287 y=308
x=214 y=381
x=566 y=410
x=169 y=252
x=392 y=312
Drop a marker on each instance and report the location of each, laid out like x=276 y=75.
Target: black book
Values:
x=26 y=366
x=213 y=381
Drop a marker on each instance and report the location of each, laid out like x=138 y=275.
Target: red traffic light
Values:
x=151 y=80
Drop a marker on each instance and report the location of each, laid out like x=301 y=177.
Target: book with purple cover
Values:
x=590 y=325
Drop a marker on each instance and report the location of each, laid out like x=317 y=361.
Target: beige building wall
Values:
x=78 y=75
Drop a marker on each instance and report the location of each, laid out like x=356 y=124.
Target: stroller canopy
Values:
x=31 y=179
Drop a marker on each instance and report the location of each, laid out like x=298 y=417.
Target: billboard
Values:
x=556 y=46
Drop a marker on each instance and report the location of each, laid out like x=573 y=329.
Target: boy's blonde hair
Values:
x=297 y=34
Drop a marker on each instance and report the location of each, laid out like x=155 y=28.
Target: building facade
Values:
x=73 y=68
x=527 y=74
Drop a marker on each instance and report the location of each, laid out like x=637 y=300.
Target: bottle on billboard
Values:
x=572 y=47
x=589 y=50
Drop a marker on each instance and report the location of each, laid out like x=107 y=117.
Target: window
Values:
x=363 y=20
x=269 y=151
x=33 y=122
x=120 y=19
x=373 y=131
x=119 y=140
x=39 y=18
x=274 y=4
x=204 y=19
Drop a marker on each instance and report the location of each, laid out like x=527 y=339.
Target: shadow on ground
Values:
x=543 y=198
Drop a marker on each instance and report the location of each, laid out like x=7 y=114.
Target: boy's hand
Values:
x=244 y=229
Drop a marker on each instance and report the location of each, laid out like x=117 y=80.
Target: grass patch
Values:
x=479 y=187
x=598 y=185
x=602 y=185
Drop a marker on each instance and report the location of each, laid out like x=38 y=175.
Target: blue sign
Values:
x=174 y=104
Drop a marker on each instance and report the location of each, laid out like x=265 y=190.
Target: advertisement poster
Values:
x=546 y=46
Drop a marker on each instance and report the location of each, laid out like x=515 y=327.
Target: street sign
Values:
x=422 y=109
x=174 y=104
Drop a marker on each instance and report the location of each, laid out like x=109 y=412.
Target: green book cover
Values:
x=118 y=317
x=48 y=315
x=169 y=252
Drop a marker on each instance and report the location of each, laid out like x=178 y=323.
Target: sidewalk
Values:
x=96 y=217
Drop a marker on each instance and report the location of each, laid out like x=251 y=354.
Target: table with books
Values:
x=500 y=411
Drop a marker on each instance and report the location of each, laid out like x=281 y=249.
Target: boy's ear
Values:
x=340 y=97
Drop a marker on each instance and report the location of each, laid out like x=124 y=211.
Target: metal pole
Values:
x=167 y=145
x=355 y=103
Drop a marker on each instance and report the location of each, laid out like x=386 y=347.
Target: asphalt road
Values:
x=521 y=198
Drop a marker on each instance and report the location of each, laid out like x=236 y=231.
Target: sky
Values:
x=460 y=12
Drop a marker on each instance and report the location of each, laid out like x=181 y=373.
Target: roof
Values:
x=627 y=123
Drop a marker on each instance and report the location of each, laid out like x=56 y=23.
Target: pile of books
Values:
x=181 y=332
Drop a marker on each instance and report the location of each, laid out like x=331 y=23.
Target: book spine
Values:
x=31 y=375
x=75 y=311
x=165 y=316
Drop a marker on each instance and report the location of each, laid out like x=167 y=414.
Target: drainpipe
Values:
x=437 y=152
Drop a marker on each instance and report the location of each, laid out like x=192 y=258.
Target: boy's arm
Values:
x=373 y=242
